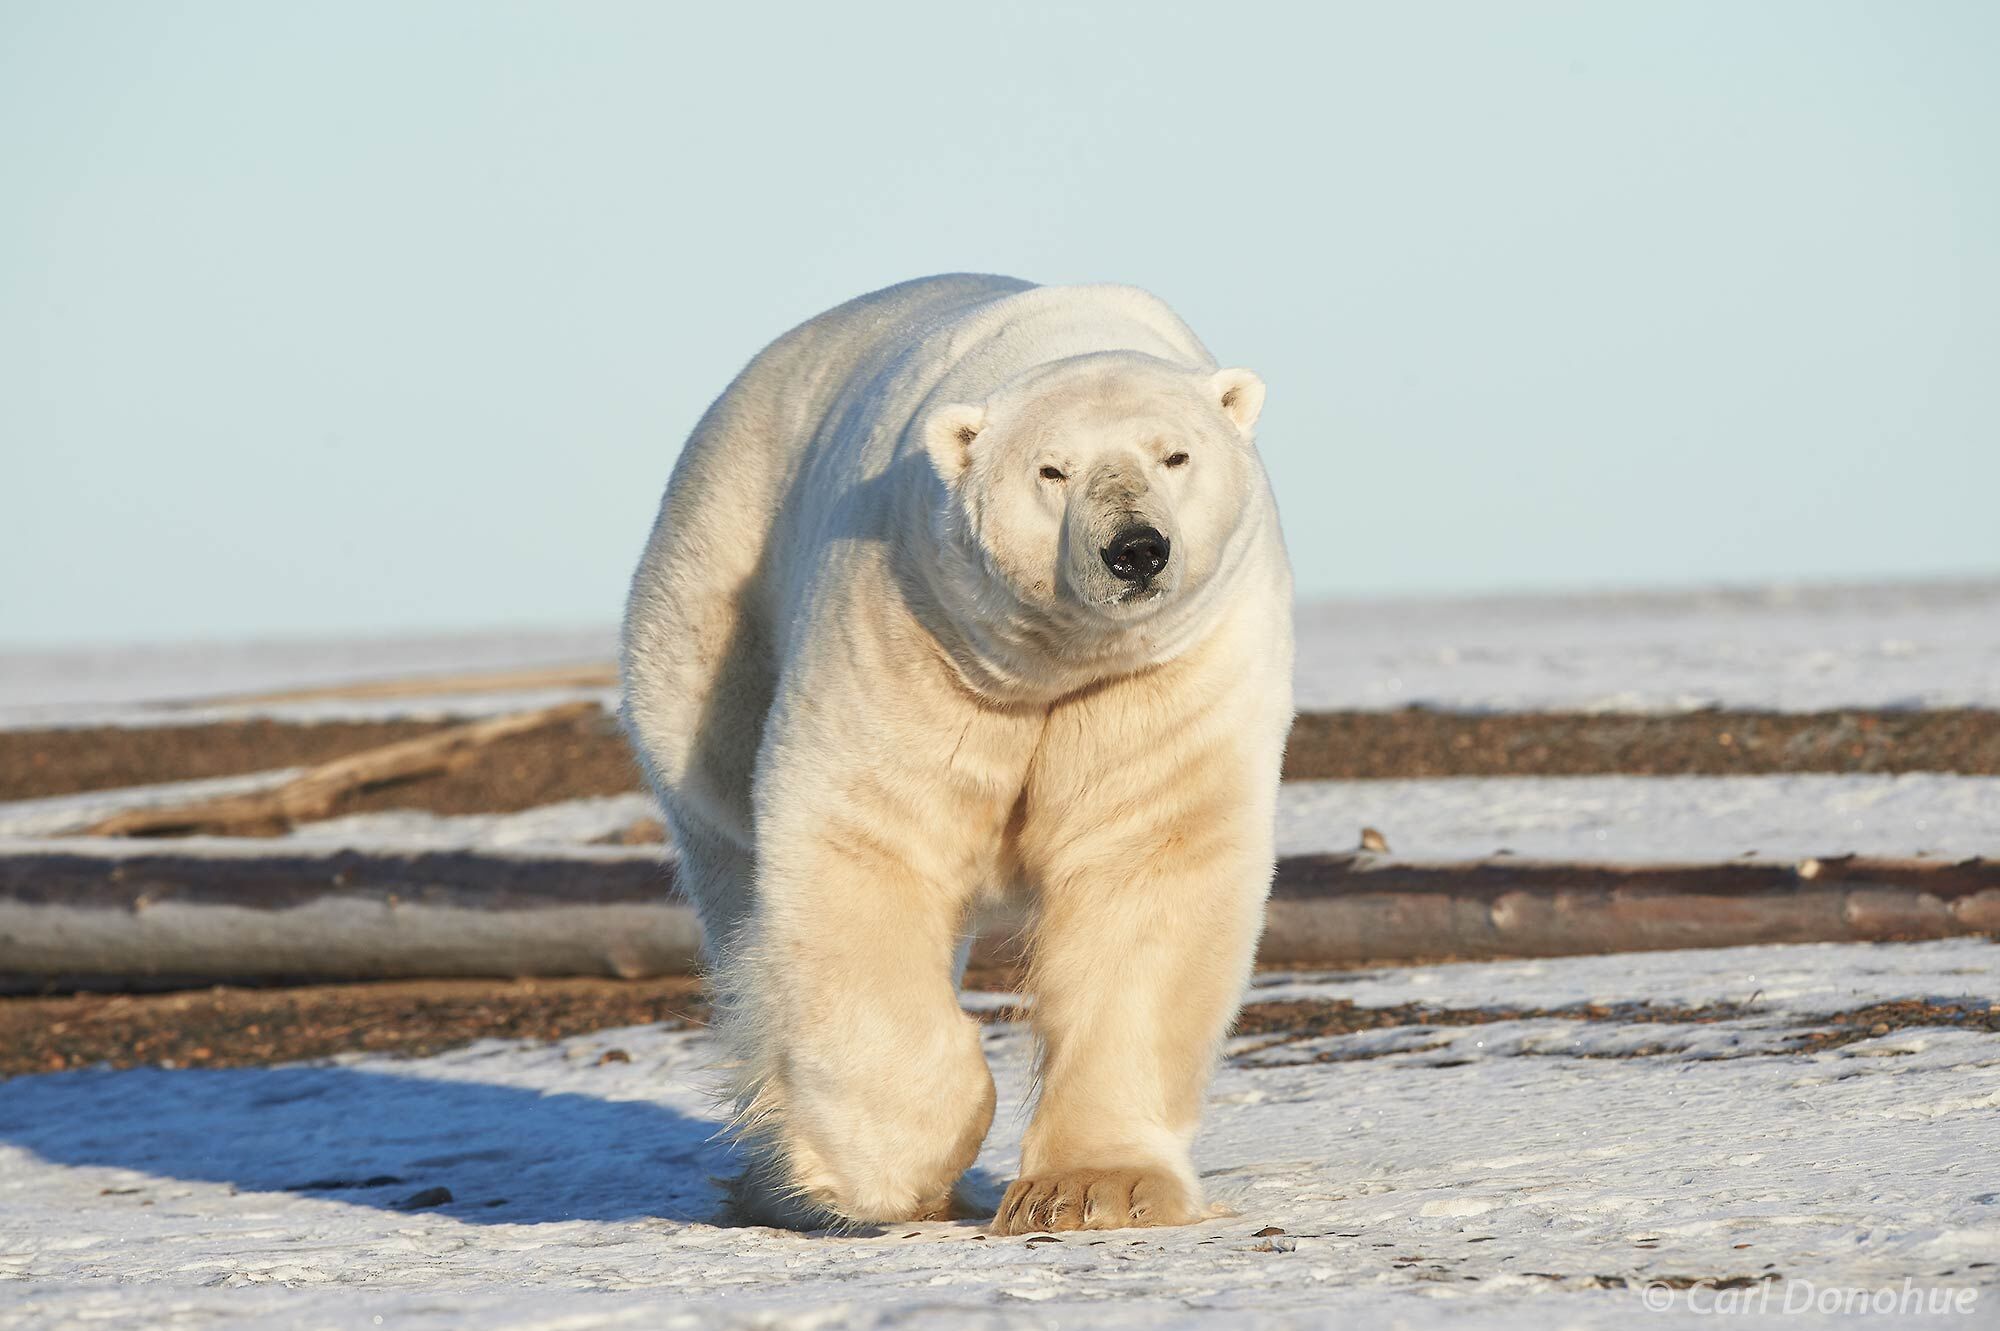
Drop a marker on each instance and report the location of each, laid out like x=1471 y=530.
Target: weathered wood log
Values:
x=115 y=914
x=313 y=793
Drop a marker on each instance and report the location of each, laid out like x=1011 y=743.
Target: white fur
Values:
x=876 y=664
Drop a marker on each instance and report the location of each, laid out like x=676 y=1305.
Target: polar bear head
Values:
x=1105 y=486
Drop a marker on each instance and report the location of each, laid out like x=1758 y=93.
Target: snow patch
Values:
x=1510 y=1190
x=1649 y=819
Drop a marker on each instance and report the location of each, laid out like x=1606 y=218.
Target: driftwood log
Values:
x=314 y=793
x=115 y=914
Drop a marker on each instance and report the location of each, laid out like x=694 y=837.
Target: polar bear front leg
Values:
x=1151 y=878
x=865 y=1093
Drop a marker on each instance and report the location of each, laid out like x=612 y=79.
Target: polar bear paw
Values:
x=1094 y=1199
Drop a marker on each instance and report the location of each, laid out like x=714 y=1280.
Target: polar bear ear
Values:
x=1241 y=394
x=949 y=434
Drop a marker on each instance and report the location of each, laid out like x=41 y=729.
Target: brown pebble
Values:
x=1268 y=1231
x=1879 y=1028
x=1373 y=840
x=613 y=1056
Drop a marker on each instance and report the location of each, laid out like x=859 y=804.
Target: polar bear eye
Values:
x=1177 y=459
x=1053 y=474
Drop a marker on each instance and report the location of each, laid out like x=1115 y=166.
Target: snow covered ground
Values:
x=1787 y=649
x=1520 y=1172
x=1688 y=819
x=1783 y=649
x=55 y=681
x=1685 y=819
x=1524 y=1173
x=1650 y=819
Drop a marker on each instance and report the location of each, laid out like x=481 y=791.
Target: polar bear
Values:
x=969 y=586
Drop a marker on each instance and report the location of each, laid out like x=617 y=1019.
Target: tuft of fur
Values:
x=878 y=663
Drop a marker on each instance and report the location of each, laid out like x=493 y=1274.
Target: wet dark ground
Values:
x=247 y=1027
x=590 y=757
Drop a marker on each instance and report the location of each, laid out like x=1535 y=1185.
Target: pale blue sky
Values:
x=317 y=318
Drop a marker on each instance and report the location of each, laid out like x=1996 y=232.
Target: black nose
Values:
x=1136 y=554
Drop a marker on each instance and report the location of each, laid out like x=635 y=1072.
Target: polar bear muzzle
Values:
x=1136 y=554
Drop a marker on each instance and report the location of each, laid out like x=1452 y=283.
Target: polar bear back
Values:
x=700 y=623
x=745 y=453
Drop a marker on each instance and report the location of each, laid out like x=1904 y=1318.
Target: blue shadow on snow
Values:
x=508 y=1155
